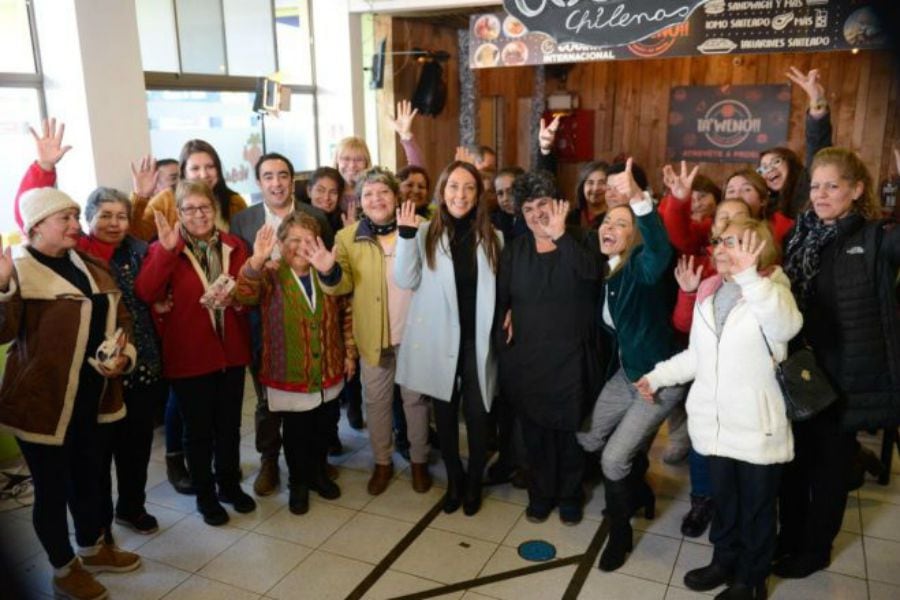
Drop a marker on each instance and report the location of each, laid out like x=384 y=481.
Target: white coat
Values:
x=429 y=352
x=735 y=408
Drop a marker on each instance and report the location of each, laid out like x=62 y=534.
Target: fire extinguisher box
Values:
x=575 y=136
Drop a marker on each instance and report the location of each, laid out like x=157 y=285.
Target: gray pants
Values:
x=623 y=423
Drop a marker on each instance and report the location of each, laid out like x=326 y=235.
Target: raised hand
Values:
x=349 y=218
x=809 y=83
x=402 y=123
x=168 y=235
x=263 y=246
x=745 y=253
x=319 y=257
x=7 y=266
x=49 y=146
x=687 y=277
x=547 y=134
x=644 y=389
x=406 y=215
x=556 y=223
x=143 y=177
x=680 y=183
x=463 y=154
x=625 y=184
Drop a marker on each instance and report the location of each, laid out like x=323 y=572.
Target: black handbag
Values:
x=805 y=387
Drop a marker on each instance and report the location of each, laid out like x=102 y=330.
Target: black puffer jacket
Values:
x=852 y=324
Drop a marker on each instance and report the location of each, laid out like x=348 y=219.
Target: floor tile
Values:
x=653 y=557
x=399 y=501
x=311 y=529
x=353 y=490
x=201 y=588
x=36 y=575
x=266 y=506
x=18 y=538
x=847 y=556
x=444 y=556
x=880 y=519
x=882 y=493
x=568 y=539
x=165 y=495
x=255 y=562
x=321 y=576
x=132 y=540
x=691 y=556
x=394 y=583
x=492 y=523
x=539 y=586
x=818 y=586
x=367 y=537
x=883 y=591
x=617 y=586
x=507 y=493
x=882 y=560
x=675 y=593
x=191 y=544
x=151 y=581
x=852 y=522
x=669 y=515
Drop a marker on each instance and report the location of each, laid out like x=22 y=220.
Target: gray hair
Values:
x=378 y=175
x=103 y=195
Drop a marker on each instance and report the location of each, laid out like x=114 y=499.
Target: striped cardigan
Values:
x=302 y=350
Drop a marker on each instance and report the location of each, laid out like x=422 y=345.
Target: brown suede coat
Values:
x=48 y=320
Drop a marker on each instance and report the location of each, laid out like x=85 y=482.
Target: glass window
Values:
x=224 y=119
x=248 y=37
x=156 y=30
x=16 y=55
x=19 y=108
x=200 y=33
x=292 y=35
x=293 y=133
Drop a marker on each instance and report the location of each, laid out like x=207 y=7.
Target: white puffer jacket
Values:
x=735 y=407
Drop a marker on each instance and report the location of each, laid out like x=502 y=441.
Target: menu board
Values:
x=533 y=32
x=731 y=123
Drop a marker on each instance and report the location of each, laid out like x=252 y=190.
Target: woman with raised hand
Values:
x=736 y=412
x=362 y=263
x=749 y=186
x=450 y=263
x=205 y=341
x=842 y=260
x=62 y=312
x=547 y=289
x=636 y=315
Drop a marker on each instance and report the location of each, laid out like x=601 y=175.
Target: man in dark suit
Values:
x=275 y=177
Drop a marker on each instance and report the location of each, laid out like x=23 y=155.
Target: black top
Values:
x=465 y=271
x=551 y=369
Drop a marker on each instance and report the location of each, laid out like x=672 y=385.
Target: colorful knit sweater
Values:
x=303 y=350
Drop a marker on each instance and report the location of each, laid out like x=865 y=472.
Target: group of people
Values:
x=564 y=333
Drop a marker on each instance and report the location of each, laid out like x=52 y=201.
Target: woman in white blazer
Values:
x=736 y=413
x=451 y=263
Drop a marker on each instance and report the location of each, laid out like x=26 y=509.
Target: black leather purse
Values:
x=804 y=385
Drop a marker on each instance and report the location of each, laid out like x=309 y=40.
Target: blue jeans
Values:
x=699 y=465
x=174 y=425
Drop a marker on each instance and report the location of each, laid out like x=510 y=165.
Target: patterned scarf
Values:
x=379 y=229
x=209 y=254
x=804 y=252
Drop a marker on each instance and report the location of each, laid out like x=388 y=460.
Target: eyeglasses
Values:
x=195 y=210
x=772 y=164
x=730 y=241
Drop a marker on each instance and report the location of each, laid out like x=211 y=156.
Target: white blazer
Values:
x=429 y=352
x=735 y=408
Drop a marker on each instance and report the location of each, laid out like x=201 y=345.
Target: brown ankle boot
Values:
x=381 y=477
x=111 y=559
x=421 y=478
x=268 y=478
x=78 y=584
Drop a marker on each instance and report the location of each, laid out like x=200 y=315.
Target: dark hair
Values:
x=532 y=185
x=103 y=195
x=408 y=170
x=164 y=162
x=221 y=191
x=327 y=173
x=704 y=184
x=300 y=219
x=273 y=156
x=583 y=174
x=640 y=176
x=513 y=171
x=481 y=151
x=782 y=199
x=443 y=222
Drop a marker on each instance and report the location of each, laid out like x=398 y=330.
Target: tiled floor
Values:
x=325 y=554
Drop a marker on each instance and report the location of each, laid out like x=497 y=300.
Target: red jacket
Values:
x=190 y=344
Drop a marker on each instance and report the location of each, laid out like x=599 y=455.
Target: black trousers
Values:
x=814 y=490
x=743 y=525
x=128 y=443
x=510 y=445
x=446 y=416
x=555 y=462
x=69 y=476
x=307 y=435
x=211 y=408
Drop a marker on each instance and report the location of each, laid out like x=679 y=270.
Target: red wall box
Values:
x=575 y=136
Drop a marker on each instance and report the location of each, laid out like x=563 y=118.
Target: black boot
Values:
x=455 y=486
x=642 y=494
x=472 y=497
x=699 y=517
x=178 y=475
x=618 y=512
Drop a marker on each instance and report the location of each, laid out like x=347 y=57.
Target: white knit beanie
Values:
x=38 y=204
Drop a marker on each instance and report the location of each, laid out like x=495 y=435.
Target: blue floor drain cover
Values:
x=537 y=550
